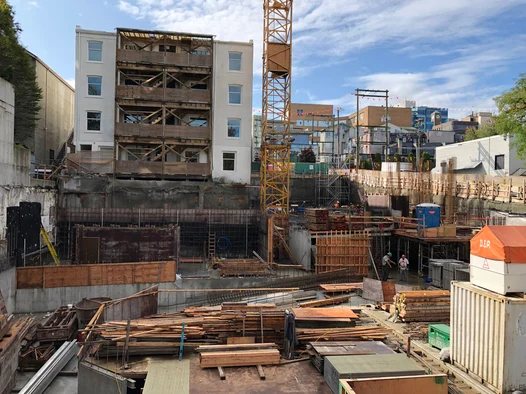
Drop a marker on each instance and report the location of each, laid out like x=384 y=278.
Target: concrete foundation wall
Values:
x=102 y=192
x=8 y=288
x=300 y=245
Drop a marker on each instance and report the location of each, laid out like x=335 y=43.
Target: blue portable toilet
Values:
x=429 y=215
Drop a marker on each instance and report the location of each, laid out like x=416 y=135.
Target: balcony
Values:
x=160 y=94
x=173 y=59
x=156 y=168
x=156 y=131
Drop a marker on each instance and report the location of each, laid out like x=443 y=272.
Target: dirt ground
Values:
x=299 y=377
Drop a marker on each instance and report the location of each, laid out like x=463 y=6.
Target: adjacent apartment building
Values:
x=165 y=105
x=55 y=118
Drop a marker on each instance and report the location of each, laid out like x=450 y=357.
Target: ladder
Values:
x=211 y=246
x=50 y=246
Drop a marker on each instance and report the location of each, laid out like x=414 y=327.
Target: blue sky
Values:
x=453 y=53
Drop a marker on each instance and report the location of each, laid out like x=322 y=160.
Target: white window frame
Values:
x=194 y=153
x=240 y=94
x=101 y=47
x=240 y=61
x=227 y=127
x=223 y=161
x=94 y=95
x=100 y=121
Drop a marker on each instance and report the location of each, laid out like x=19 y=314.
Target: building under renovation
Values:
x=160 y=105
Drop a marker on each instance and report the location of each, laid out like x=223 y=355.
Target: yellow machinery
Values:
x=275 y=115
x=50 y=246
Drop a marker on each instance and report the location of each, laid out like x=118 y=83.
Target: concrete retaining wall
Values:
x=8 y=287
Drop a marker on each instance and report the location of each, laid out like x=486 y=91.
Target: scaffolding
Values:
x=163 y=105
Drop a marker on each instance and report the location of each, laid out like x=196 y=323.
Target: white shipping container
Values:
x=488 y=336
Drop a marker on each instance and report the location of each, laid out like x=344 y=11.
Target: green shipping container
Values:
x=255 y=166
x=438 y=336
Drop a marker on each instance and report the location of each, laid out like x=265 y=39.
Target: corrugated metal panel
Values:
x=488 y=336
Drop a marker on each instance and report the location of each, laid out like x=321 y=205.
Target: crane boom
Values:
x=275 y=114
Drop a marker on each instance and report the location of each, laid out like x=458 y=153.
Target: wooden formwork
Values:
x=336 y=250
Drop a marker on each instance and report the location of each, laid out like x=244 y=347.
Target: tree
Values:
x=16 y=68
x=307 y=155
x=397 y=157
x=512 y=118
x=485 y=130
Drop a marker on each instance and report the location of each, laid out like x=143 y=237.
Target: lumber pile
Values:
x=326 y=302
x=417 y=330
x=239 y=355
x=161 y=333
x=9 y=349
x=317 y=219
x=338 y=222
x=356 y=222
x=246 y=267
x=341 y=287
x=362 y=333
x=423 y=305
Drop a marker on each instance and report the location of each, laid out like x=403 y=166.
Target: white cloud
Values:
x=33 y=4
x=129 y=8
x=331 y=32
x=71 y=82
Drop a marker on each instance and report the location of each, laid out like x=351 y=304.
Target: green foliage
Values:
x=307 y=155
x=411 y=157
x=16 y=68
x=485 y=130
x=366 y=164
x=397 y=157
x=512 y=118
x=377 y=158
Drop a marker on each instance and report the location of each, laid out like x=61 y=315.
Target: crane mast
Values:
x=275 y=114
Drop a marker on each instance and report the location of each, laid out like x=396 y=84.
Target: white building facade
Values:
x=495 y=156
x=232 y=111
x=232 y=73
x=94 y=90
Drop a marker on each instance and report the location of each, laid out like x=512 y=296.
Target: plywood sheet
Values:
x=373 y=290
x=29 y=278
x=336 y=250
x=65 y=276
x=429 y=384
x=167 y=377
x=323 y=313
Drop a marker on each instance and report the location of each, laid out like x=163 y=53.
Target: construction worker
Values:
x=403 y=264
x=386 y=265
x=337 y=204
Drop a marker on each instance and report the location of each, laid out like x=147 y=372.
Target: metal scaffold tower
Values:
x=275 y=147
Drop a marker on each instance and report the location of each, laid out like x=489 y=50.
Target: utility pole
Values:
x=338 y=128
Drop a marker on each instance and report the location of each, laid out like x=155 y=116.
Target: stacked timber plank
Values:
x=338 y=222
x=245 y=267
x=362 y=333
x=423 y=305
x=161 y=334
x=214 y=356
x=341 y=287
x=325 y=302
x=317 y=219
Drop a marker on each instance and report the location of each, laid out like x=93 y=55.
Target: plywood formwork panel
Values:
x=96 y=274
x=337 y=250
x=30 y=278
